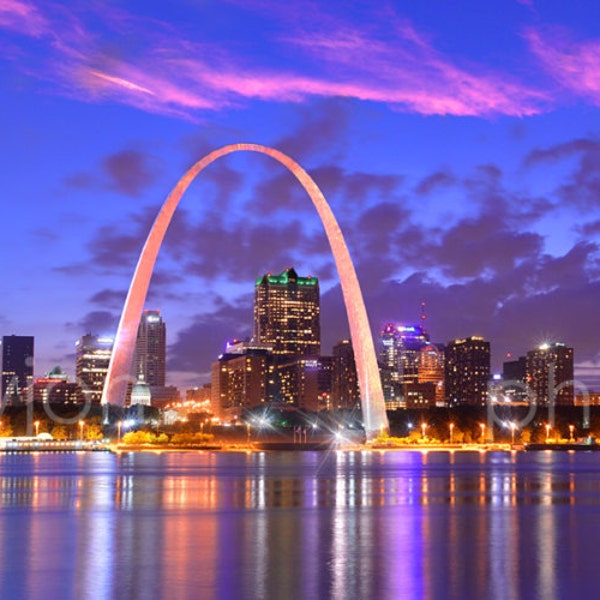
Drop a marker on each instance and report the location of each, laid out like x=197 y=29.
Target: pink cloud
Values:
x=22 y=17
x=574 y=64
x=387 y=61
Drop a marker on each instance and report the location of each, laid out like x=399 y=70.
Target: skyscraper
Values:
x=344 y=387
x=399 y=360
x=150 y=349
x=467 y=371
x=549 y=371
x=92 y=358
x=17 y=368
x=287 y=314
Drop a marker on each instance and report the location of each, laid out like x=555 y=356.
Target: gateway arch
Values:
x=119 y=371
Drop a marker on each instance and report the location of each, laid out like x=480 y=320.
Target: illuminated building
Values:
x=512 y=386
x=150 y=349
x=399 y=360
x=239 y=379
x=287 y=314
x=17 y=368
x=92 y=359
x=431 y=370
x=140 y=393
x=305 y=382
x=344 y=385
x=467 y=371
x=549 y=372
x=56 y=388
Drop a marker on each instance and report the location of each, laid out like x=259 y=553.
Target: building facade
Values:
x=239 y=381
x=345 y=392
x=399 y=360
x=55 y=388
x=467 y=371
x=92 y=358
x=150 y=349
x=549 y=374
x=287 y=314
x=17 y=369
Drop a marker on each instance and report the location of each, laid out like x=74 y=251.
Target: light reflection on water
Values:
x=300 y=525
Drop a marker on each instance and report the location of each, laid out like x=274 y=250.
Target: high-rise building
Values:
x=549 y=373
x=239 y=379
x=399 y=360
x=287 y=314
x=305 y=382
x=150 y=349
x=17 y=368
x=467 y=371
x=345 y=392
x=431 y=369
x=92 y=359
x=55 y=388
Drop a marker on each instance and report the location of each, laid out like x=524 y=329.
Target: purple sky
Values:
x=458 y=144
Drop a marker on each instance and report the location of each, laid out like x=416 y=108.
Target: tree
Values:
x=6 y=429
x=59 y=432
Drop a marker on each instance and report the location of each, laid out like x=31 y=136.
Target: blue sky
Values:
x=456 y=142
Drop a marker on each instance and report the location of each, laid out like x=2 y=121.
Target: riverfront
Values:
x=338 y=525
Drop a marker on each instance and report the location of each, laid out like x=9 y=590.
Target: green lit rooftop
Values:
x=285 y=277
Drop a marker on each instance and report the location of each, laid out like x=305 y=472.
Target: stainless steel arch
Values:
x=372 y=402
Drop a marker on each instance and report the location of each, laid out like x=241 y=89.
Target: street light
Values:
x=81 y=424
x=37 y=428
x=547 y=432
x=451 y=431
x=482 y=425
x=119 y=425
x=571 y=429
x=423 y=428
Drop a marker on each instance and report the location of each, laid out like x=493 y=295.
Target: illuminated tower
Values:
x=467 y=371
x=287 y=314
x=150 y=349
x=92 y=359
x=549 y=371
x=431 y=369
x=17 y=368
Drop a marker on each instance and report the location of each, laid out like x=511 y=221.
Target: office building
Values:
x=239 y=379
x=549 y=374
x=305 y=382
x=345 y=392
x=17 y=369
x=287 y=314
x=467 y=371
x=399 y=360
x=150 y=349
x=55 y=388
x=92 y=360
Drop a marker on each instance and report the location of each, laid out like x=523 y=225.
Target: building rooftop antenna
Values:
x=423 y=316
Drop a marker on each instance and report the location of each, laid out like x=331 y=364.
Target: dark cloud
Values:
x=319 y=123
x=97 y=322
x=435 y=181
x=582 y=187
x=109 y=298
x=129 y=172
x=483 y=247
x=199 y=344
x=560 y=151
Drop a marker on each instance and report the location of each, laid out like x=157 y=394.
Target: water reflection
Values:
x=299 y=525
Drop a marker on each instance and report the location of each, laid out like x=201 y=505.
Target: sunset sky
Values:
x=457 y=143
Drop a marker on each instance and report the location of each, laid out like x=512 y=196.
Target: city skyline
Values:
x=461 y=162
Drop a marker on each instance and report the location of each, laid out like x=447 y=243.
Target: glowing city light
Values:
x=372 y=401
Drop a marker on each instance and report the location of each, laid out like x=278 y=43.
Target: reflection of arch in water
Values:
x=373 y=405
